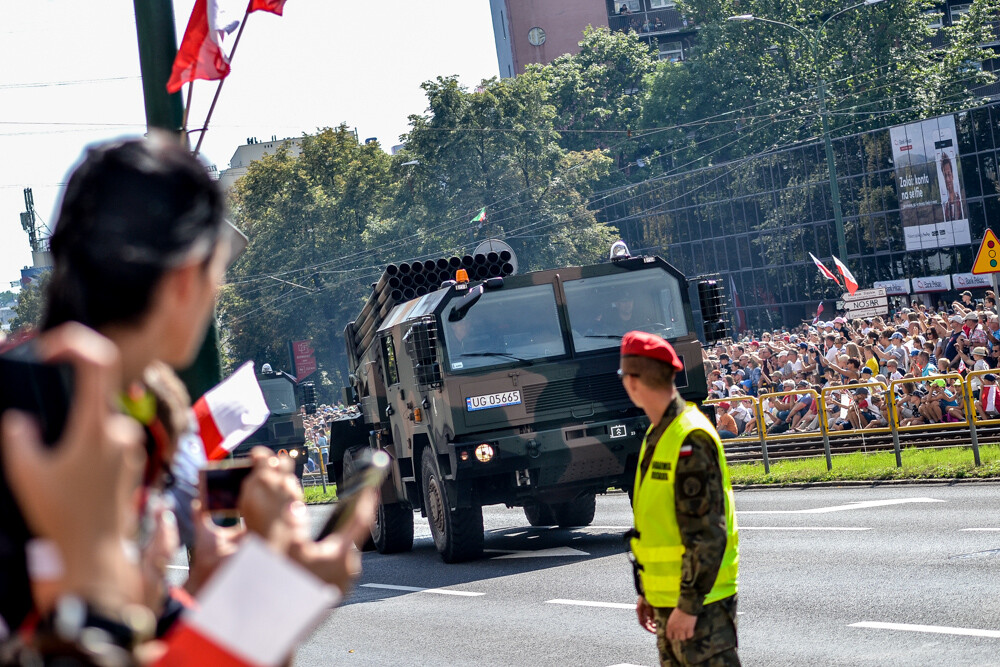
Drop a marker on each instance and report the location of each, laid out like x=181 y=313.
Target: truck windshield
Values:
x=603 y=309
x=279 y=395
x=503 y=327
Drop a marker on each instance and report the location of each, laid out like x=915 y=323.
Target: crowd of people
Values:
x=924 y=356
x=317 y=428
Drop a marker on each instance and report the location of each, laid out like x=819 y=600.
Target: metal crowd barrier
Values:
x=961 y=388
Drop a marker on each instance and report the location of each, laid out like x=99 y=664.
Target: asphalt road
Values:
x=815 y=563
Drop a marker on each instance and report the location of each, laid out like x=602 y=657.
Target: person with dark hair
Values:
x=684 y=544
x=139 y=250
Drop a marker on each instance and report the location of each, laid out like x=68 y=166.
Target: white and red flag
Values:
x=822 y=269
x=253 y=611
x=849 y=281
x=819 y=311
x=230 y=412
x=201 y=54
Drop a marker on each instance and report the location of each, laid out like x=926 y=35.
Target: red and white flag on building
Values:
x=253 y=611
x=822 y=269
x=849 y=281
x=230 y=412
x=201 y=54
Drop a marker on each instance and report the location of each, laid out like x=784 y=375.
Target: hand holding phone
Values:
x=373 y=467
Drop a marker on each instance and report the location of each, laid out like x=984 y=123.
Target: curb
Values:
x=946 y=481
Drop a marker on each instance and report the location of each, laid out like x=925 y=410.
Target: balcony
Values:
x=652 y=23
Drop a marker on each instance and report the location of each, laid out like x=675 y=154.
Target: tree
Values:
x=305 y=271
x=30 y=304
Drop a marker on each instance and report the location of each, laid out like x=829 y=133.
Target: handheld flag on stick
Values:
x=822 y=269
x=230 y=412
x=480 y=218
x=849 y=281
x=819 y=311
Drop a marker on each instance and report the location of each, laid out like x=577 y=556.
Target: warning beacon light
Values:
x=619 y=251
x=462 y=276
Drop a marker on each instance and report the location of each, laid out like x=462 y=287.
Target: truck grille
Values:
x=606 y=389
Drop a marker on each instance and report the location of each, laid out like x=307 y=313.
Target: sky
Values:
x=71 y=78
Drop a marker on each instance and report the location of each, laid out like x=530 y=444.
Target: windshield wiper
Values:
x=498 y=354
x=615 y=336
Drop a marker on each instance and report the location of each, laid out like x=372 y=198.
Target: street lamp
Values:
x=813 y=40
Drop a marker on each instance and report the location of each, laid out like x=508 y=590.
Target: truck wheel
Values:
x=349 y=470
x=575 y=513
x=392 y=531
x=539 y=514
x=458 y=534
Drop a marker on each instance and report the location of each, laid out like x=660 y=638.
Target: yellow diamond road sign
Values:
x=988 y=257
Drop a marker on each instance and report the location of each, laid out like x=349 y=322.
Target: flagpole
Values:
x=232 y=54
x=187 y=109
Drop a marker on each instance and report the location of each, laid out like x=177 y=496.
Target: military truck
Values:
x=284 y=430
x=490 y=388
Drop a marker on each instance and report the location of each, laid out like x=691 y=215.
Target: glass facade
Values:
x=753 y=222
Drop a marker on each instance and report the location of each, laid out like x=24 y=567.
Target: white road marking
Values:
x=540 y=553
x=177 y=567
x=979 y=530
x=742 y=528
x=416 y=589
x=852 y=506
x=936 y=629
x=590 y=603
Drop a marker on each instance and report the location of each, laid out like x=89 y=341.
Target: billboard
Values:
x=928 y=178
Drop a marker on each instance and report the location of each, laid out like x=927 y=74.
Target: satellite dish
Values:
x=497 y=246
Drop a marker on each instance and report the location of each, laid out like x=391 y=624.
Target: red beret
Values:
x=642 y=344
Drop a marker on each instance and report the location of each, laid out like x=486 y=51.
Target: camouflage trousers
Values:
x=714 y=640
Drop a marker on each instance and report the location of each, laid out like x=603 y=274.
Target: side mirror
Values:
x=459 y=310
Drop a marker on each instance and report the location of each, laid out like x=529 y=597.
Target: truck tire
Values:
x=392 y=532
x=349 y=470
x=576 y=513
x=458 y=534
x=539 y=514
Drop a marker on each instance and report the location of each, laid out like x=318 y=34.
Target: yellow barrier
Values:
x=741 y=399
x=958 y=396
x=975 y=402
x=854 y=387
x=786 y=435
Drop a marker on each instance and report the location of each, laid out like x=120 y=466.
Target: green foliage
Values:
x=542 y=151
x=30 y=304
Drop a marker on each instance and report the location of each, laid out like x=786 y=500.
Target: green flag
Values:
x=481 y=218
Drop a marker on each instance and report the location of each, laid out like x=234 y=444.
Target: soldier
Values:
x=685 y=542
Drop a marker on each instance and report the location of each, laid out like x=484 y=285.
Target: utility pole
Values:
x=154 y=26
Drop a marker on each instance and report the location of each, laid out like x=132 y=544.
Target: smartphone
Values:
x=372 y=469
x=43 y=390
x=221 y=483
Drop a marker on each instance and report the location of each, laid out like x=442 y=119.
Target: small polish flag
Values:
x=819 y=311
x=230 y=412
x=252 y=612
x=822 y=269
x=686 y=450
x=849 y=281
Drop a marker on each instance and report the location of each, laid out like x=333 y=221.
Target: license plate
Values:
x=619 y=431
x=473 y=403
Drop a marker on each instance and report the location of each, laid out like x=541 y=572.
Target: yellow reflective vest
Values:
x=658 y=547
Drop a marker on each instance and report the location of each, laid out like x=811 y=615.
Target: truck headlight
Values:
x=294 y=453
x=484 y=453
